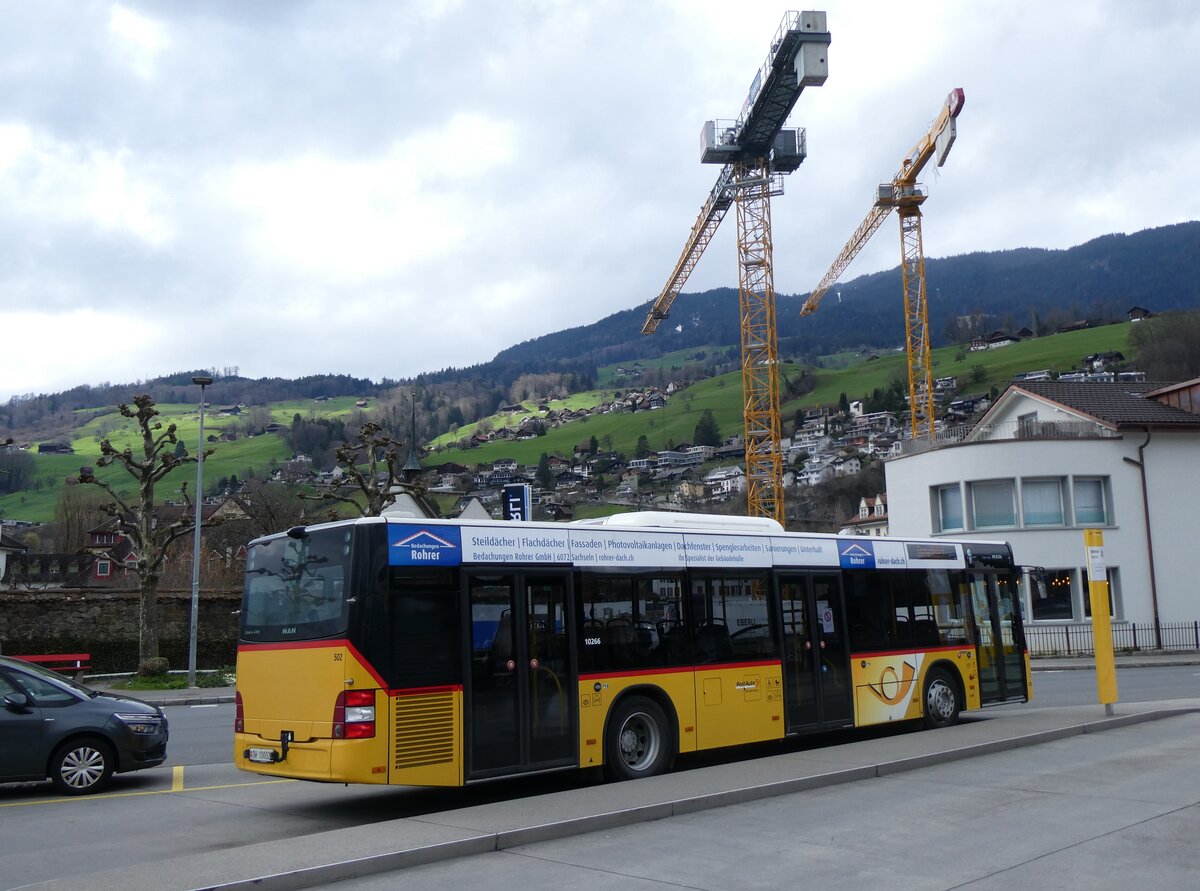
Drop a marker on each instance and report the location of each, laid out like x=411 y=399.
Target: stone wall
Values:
x=105 y=624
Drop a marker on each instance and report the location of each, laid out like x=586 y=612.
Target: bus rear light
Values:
x=239 y=716
x=354 y=715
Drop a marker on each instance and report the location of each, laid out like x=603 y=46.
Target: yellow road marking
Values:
x=177 y=778
x=83 y=798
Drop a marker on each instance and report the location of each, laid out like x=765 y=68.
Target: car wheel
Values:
x=82 y=765
x=639 y=741
x=941 y=699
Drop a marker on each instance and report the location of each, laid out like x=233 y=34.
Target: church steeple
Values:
x=412 y=464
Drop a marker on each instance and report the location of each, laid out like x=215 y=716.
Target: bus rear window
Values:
x=296 y=587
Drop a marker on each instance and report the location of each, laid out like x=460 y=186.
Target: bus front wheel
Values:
x=941 y=699
x=639 y=741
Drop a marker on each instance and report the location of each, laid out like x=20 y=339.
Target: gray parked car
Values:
x=54 y=728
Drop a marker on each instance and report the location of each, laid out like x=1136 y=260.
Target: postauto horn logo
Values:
x=422 y=546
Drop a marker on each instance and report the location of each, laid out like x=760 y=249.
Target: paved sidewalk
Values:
x=321 y=858
x=189 y=696
x=1124 y=660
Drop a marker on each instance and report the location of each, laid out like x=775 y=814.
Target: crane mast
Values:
x=754 y=152
x=905 y=195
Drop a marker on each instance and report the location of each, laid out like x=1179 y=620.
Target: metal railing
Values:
x=1043 y=430
x=1128 y=637
x=1006 y=430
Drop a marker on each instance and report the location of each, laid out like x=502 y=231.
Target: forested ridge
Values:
x=1158 y=269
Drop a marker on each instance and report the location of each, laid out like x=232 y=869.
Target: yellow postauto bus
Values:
x=444 y=652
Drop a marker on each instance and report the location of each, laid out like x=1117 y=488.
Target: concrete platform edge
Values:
x=316 y=876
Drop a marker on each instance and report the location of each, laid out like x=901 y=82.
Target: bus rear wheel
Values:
x=941 y=699
x=639 y=741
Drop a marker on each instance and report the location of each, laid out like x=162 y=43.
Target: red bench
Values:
x=62 y=662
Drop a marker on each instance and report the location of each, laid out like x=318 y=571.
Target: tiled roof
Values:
x=9 y=543
x=1121 y=404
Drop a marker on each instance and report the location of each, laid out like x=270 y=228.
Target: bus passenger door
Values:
x=816 y=657
x=999 y=637
x=520 y=693
x=549 y=683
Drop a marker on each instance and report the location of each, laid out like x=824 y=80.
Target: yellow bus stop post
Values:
x=1106 y=667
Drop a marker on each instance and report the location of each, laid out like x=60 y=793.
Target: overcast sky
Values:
x=386 y=188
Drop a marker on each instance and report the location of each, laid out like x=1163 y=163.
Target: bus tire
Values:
x=942 y=700
x=639 y=741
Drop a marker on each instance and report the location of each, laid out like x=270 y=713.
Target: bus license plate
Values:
x=261 y=756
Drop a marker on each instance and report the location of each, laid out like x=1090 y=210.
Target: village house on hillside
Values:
x=993 y=341
x=871 y=519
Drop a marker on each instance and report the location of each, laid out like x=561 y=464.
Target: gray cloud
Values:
x=385 y=188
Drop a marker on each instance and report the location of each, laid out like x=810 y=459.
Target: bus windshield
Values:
x=295 y=587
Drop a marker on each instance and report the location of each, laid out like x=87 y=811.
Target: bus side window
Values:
x=868 y=610
x=925 y=606
x=672 y=643
x=899 y=584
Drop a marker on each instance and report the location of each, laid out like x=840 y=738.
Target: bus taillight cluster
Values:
x=354 y=715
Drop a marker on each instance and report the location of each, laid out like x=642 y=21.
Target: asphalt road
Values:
x=1078 y=686
x=199 y=802
x=200 y=734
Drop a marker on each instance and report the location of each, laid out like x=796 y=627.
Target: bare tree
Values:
x=135 y=516
x=1168 y=346
x=76 y=511
x=269 y=507
x=371 y=461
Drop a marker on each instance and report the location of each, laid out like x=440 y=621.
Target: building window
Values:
x=1041 y=502
x=949 y=508
x=103 y=569
x=1054 y=601
x=1090 y=508
x=992 y=504
x=1111 y=577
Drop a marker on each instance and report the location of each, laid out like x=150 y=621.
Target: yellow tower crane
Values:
x=754 y=152
x=906 y=195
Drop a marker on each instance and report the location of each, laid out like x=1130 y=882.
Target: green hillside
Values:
x=608 y=375
x=250 y=456
x=677 y=421
x=245 y=457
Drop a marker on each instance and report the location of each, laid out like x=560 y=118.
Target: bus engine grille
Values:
x=424 y=729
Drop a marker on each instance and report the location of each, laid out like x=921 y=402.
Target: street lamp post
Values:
x=191 y=678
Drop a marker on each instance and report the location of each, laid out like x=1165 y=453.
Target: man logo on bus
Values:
x=892 y=687
x=425 y=547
